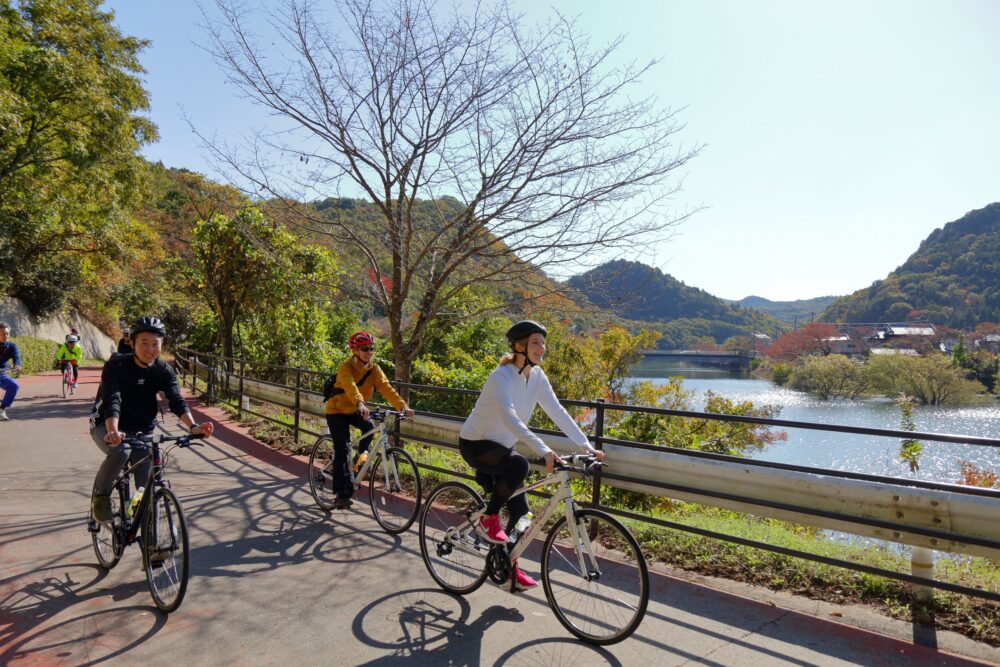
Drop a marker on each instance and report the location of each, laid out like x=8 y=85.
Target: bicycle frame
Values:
x=155 y=478
x=564 y=494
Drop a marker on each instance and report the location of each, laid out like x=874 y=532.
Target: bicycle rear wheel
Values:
x=107 y=540
x=321 y=472
x=394 y=490
x=165 y=546
x=454 y=554
x=604 y=603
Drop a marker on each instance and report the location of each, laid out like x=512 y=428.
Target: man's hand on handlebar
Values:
x=204 y=429
x=114 y=438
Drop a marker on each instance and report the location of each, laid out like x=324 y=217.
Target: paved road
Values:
x=277 y=582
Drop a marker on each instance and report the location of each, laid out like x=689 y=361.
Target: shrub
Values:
x=36 y=354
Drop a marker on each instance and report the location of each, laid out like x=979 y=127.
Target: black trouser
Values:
x=500 y=469
x=115 y=457
x=343 y=476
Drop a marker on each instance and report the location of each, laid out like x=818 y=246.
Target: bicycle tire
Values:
x=394 y=490
x=457 y=565
x=108 y=544
x=602 y=609
x=165 y=550
x=65 y=385
x=320 y=472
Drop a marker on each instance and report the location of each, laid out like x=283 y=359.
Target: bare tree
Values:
x=534 y=152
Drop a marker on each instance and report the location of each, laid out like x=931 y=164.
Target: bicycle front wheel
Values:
x=394 y=490
x=65 y=385
x=321 y=472
x=165 y=542
x=597 y=586
x=454 y=554
x=107 y=540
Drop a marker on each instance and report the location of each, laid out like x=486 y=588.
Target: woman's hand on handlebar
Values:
x=551 y=459
x=598 y=454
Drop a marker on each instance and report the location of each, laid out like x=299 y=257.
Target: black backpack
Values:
x=329 y=390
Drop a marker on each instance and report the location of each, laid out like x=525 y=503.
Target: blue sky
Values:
x=837 y=135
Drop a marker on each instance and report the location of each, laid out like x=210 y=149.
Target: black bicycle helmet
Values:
x=523 y=329
x=148 y=323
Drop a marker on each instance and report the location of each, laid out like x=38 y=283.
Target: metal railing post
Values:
x=194 y=375
x=298 y=402
x=239 y=404
x=599 y=446
x=922 y=565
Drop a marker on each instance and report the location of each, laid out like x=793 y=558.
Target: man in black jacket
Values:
x=127 y=404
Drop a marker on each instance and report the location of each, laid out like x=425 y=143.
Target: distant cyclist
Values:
x=126 y=404
x=9 y=353
x=70 y=352
x=500 y=419
x=124 y=344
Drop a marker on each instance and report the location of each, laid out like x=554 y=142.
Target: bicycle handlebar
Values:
x=589 y=463
x=380 y=413
x=159 y=439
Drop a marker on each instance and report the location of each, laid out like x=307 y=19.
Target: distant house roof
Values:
x=889 y=351
x=761 y=336
x=842 y=337
x=909 y=331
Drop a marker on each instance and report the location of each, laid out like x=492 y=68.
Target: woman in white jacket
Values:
x=499 y=420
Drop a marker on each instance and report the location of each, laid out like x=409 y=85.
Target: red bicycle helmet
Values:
x=360 y=339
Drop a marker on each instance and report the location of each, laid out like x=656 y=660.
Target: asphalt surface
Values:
x=276 y=581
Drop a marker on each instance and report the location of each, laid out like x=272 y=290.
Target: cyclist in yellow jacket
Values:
x=72 y=352
x=357 y=380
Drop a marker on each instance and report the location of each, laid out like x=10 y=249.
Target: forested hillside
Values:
x=790 y=312
x=686 y=315
x=952 y=279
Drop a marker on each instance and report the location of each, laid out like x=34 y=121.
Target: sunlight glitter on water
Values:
x=939 y=462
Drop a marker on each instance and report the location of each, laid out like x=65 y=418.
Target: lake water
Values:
x=939 y=462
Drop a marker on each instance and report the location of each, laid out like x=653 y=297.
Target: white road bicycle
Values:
x=391 y=473
x=593 y=571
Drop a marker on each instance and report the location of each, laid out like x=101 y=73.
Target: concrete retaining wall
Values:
x=96 y=345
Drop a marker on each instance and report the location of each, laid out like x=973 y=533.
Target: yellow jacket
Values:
x=345 y=402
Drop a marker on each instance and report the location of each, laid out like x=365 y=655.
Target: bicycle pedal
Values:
x=93 y=526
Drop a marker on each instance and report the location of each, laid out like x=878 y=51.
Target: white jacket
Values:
x=505 y=406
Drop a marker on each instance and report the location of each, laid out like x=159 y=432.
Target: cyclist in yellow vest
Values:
x=72 y=352
x=357 y=380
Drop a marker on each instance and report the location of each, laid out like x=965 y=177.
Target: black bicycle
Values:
x=159 y=516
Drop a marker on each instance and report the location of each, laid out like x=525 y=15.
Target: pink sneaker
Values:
x=489 y=529
x=522 y=582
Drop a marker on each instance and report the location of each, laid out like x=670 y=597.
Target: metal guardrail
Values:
x=926 y=515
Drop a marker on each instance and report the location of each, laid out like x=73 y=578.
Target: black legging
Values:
x=502 y=469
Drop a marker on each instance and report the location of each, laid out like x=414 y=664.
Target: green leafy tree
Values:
x=71 y=125
x=618 y=351
x=833 y=376
x=250 y=267
x=931 y=379
x=909 y=449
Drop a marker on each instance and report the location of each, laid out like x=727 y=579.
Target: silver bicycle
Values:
x=593 y=571
x=392 y=475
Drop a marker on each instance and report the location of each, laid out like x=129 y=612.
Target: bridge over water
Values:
x=665 y=360
x=276 y=581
